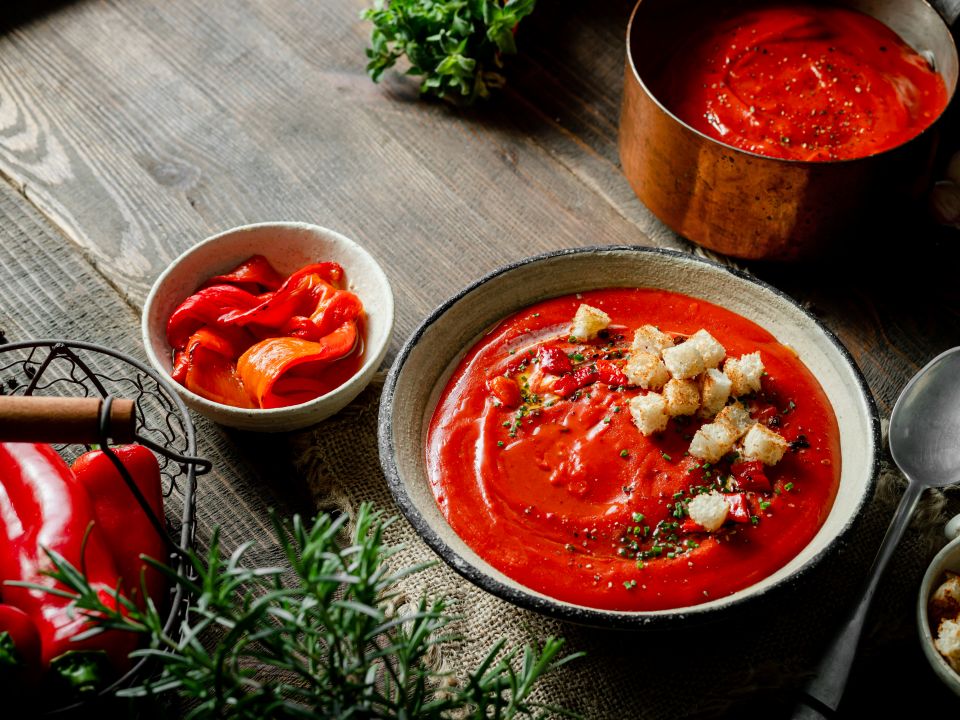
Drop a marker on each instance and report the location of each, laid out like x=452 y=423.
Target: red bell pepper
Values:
x=553 y=360
x=330 y=313
x=300 y=294
x=214 y=377
x=45 y=508
x=738 y=506
x=580 y=378
x=610 y=374
x=121 y=518
x=600 y=371
x=251 y=274
x=19 y=648
x=506 y=391
x=750 y=476
x=278 y=372
x=205 y=307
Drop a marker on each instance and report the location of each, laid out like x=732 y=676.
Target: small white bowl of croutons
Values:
x=938 y=610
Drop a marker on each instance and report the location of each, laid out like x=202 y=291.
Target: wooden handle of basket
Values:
x=64 y=419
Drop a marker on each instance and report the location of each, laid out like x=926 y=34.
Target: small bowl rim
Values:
x=941 y=668
x=581 y=614
x=362 y=376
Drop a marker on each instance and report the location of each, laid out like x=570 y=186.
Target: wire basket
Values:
x=76 y=369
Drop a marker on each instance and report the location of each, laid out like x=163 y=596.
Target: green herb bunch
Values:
x=457 y=46
x=314 y=639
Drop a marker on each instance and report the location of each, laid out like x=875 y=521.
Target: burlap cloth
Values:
x=739 y=666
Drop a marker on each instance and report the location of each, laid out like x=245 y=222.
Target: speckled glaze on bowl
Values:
x=947 y=559
x=428 y=358
x=288 y=246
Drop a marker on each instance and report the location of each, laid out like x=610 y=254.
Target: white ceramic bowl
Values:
x=946 y=559
x=428 y=358
x=288 y=246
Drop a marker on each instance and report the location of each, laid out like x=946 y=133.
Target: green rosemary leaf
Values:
x=314 y=639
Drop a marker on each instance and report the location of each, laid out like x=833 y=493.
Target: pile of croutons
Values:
x=693 y=377
x=945 y=613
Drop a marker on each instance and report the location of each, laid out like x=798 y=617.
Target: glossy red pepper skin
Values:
x=42 y=506
x=506 y=391
x=738 y=506
x=206 y=307
x=299 y=295
x=122 y=520
x=19 y=648
x=554 y=360
x=750 y=476
x=600 y=371
x=254 y=273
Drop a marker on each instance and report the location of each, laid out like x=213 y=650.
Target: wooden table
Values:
x=131 y=129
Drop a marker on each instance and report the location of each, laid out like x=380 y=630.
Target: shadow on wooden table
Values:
x=13 y=15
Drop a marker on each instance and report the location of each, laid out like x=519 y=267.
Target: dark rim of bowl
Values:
x=578 y=613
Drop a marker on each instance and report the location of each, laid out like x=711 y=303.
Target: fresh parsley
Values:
x=456 y=46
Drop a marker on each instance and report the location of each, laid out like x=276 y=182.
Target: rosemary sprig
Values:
x=456 y=46
x=314 y=639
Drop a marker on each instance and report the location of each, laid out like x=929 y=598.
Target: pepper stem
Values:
x=83 y=672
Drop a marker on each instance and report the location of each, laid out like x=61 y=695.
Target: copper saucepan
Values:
x=748 y=205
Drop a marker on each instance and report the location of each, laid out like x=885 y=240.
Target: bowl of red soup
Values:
x=622 y=435
x=777 y=131
x=270 y=327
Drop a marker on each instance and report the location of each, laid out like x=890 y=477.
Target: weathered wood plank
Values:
x=147 y=125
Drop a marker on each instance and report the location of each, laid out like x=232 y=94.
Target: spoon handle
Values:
x=827 y=685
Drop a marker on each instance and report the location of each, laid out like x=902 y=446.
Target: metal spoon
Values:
x=924 y=441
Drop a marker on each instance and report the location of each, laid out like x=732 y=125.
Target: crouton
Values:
x=682 y=396
x=646 y=370
x=744 y=373
x=588 y=322
x=649 y=413
x=737 y=417
x=712 y=441
x=714 y=392
x=948 y=642
x=709 y=510
x=762 y=443
x=945 y=602
x=650 y=339
x=712 y=351
x=684 y=361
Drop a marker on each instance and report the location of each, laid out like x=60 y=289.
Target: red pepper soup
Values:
x=802 y=82
x=633 y=449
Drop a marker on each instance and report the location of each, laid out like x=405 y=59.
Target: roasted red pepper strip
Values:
x=255 y=271
x=214 y=377
x=19 y=648
x=600 y=371
x=121 y=518
x=282 y=371
x=738 y=506
x=506 y=391
x=205 y=307
x=43 y=507
x=299 y=295
x=331 y=313
x=553 y=360
x=227 y=341
x=610 y=374
x=750 y=476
